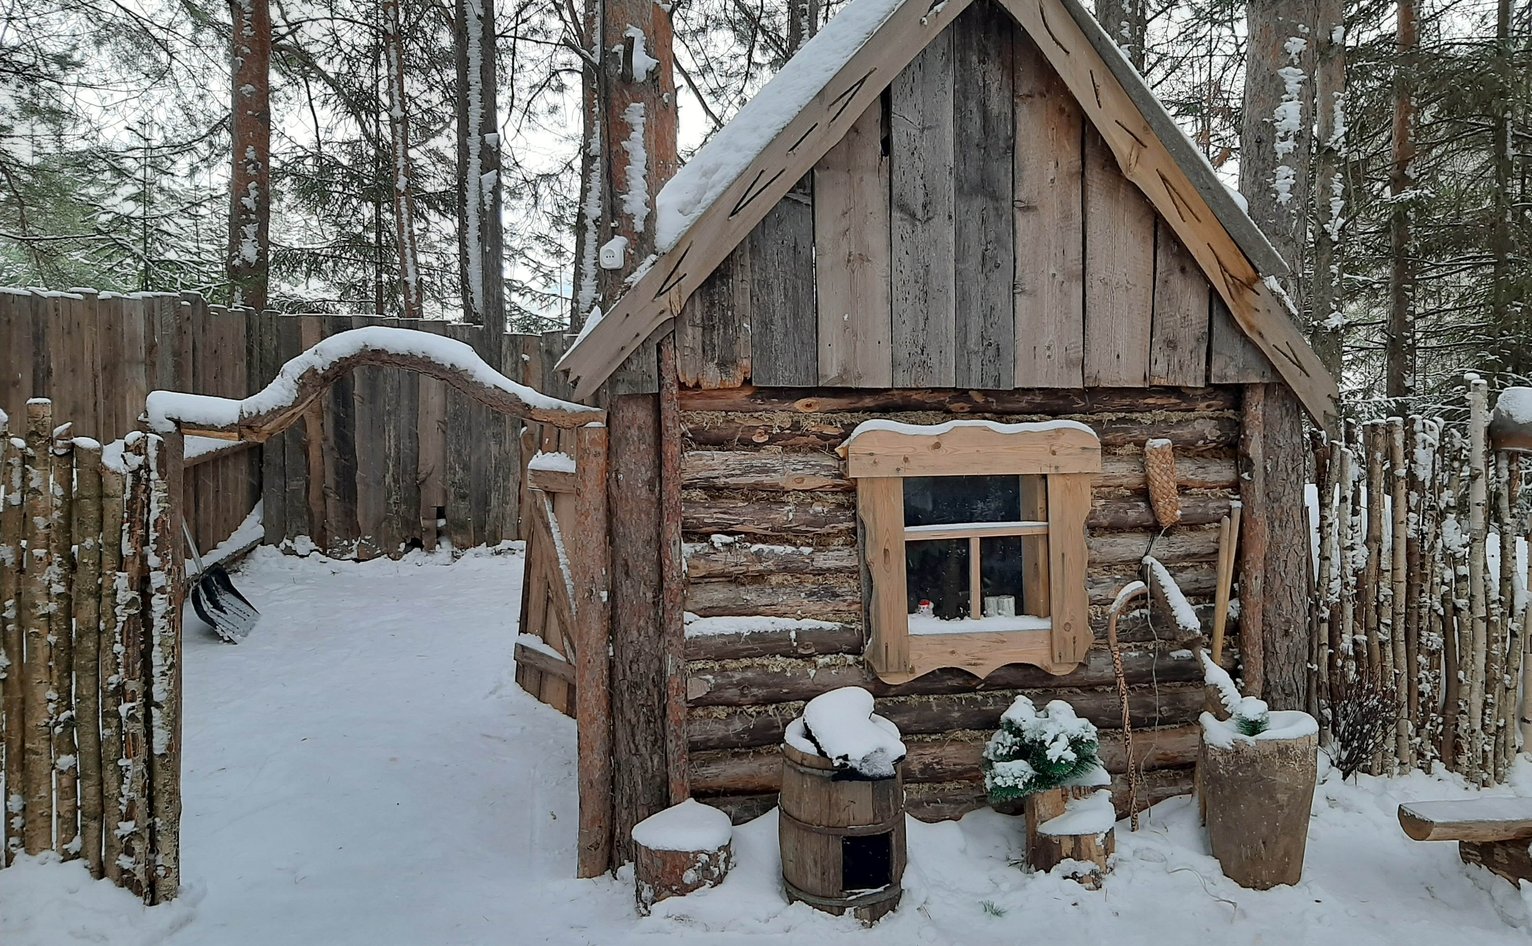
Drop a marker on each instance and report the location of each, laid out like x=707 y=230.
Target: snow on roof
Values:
x=937 y=430
x=740 y=141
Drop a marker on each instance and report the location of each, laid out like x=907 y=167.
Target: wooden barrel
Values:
x=842 y=838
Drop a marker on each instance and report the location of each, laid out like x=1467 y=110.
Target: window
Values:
x=974 y=541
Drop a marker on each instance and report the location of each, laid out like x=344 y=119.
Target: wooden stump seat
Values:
x=1071 y=823
x=1495 y=833
x=684 y=848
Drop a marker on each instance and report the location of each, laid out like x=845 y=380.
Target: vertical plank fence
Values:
x=90 y=593
x=1421 y=597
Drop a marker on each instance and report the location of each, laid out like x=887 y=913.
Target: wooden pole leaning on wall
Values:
x=12 y=723
x=33 y=613
x=60 y=575
x=87 y=648
x=590 y=562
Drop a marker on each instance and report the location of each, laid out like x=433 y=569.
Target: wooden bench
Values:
x=1492 y=832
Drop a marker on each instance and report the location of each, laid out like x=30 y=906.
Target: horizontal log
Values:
x=824 y=432
x=773 y=469
x=822 y=598
x=841 y=639
x=746 y=559
x=1475 y=819
x=945 y=801
x=1118 y=512
x=1045 y=401
x=816 y=516
x=1197 y=579
x=949 y=758
x=1182 y=544
x=785 y=679
x=751 y=726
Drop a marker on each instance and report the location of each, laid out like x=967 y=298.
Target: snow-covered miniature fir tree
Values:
x=1035 y=751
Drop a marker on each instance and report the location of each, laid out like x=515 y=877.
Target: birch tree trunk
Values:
x=403 y=179
x=12 y=452
x=60 y=577
x=1476 y=660
x=37 y=752
x=1327 y=332
x=480 y=230
x=87 y=649
x=250 y=175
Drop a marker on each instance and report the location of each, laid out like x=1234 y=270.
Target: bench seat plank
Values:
x=1475 y=819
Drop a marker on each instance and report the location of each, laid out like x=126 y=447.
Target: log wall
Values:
x=770 y=529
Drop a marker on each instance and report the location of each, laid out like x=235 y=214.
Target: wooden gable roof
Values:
x=738 y=179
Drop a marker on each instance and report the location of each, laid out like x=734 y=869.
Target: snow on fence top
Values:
x=305 y=377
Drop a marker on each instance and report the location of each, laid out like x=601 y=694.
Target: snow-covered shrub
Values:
x=1251 y=716
x=1035 y=751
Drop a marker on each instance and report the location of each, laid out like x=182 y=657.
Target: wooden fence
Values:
x=383 y=458
x=89 y=652
x=1418 y=612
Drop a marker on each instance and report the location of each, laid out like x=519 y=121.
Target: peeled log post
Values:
x=1399 y=633
x=1372 y=577
x=1476 y=660
x=61 y=637
x=133 y=803
x=11 y=694
x=114 y=587
x=87 y=647
x=35 y=602
x=165 y=560
x=1258 y=792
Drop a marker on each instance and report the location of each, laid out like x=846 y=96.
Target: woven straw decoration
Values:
x=1160 y=468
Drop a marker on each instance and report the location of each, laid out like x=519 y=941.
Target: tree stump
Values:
x=1256 y=793
x=1072 y=823
x=685 y=847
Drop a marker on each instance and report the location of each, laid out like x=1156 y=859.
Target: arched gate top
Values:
x=302 y=380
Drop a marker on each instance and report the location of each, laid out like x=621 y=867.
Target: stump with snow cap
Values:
x=1073 y=823
x=685 y=847
x=1510 y=427
x=1257 y=791
x=841 y=816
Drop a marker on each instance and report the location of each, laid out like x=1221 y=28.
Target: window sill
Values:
x=979 y=653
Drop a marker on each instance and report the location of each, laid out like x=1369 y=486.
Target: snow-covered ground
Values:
x=364 y=770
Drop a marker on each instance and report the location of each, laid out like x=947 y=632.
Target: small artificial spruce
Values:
x=1251 y=717
x=1035 y=751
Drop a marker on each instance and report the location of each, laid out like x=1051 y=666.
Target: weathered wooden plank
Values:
x=1234 y=358
x=301 y=519
x=788 y=642
x=1179 y=345
x=714 y=331
x=831 y=597
x=505 y=487
x=264 y=344
x=1119 y=272
x=984 y=135
x=817 y=518
x=733 y=559
x=1049 y=225
x=784 y=321
x=853 y=257
x=457 y=461
x=922 y=204
x=15 y=336
x=370 y=422
x=430 y=462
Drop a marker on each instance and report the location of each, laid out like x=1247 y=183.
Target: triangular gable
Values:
x=712 y=205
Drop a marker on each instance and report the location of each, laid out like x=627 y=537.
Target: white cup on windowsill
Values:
x=999 y=606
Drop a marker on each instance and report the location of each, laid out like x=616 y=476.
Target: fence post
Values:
x=87 y=646
x=166 y=564
x=11 y=694
x=60 y=577
x=37 y=757
x=114 y=592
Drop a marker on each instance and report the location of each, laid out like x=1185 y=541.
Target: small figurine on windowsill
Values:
x=925 y=608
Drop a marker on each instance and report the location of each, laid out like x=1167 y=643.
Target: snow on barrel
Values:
x=841 y=814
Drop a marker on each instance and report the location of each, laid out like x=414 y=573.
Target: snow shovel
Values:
x=216 y=601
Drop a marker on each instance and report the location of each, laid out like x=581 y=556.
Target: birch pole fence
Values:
x=90 y=593
x=1421 y=598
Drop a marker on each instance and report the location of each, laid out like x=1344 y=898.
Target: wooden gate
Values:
x=583 y=601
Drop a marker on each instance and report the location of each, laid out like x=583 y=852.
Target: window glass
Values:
x=936 y=577
x=941 y=500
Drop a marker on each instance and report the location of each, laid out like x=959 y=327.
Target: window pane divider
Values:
x=973 y=530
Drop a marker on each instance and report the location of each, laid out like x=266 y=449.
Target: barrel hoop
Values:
x=870 y=898
x=855 y=830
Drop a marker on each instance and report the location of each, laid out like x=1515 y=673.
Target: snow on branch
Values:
x=309 y=375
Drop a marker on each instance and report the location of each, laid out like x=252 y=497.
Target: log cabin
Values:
x=877 y=410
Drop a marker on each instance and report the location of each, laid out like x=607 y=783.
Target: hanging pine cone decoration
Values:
x=1160 y=468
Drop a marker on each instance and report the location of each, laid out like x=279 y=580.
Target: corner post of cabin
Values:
x=1276 y=577
x=592 y=568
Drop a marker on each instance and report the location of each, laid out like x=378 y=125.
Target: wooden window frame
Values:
x=879 y=456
